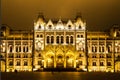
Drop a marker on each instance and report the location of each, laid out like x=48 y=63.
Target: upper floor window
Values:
x=37 y=35
x=24 y=49
x=69 y=26
x=67 y=39
x=108 y=63
x=50 y=26
x=101 y=64
x=10 y=49
x=47 y=39
x=81 y=36
x=109 y=48
x=27 y=49
x=39 y=27
x=11 y=63
x=79 y=27
x=102 y=48
x=62 y=40
x=41 y=35
x=10 y=56
x=25 y=56
x=78 y=36
x=25 y=63
x=71 y=39
x=57 y=39
x=39 y=62
x=52 y=39
x=18 y=63
x=94 y=63
x=18 y=56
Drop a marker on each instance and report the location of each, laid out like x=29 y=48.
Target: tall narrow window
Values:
x=25 y=63
x=52 y=39
x=47 y=39
x=24 y=49
x=67 y=39
x=94 y=63
x=27 y=49
x=92 y=49
x=62 y=40
x=10 y=48
x=81 y=63
x=11 y=63
x=57 y=39
x=71 y=39
x=39 y=62
x=108 y=63
x=101 y=64
x=109 y=49
x=16 y=48
x=18 y=63
x=95 y=49
x=102 y=48
x=19 y=48
x=39 y=26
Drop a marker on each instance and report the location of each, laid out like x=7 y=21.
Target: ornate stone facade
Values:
x=60 y=44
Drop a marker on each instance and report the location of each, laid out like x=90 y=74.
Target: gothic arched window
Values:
x=67 y=39
x=71 y=39
x=47 y=39
x=52 y=39
x=57 y=39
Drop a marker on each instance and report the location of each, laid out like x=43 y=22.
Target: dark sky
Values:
x=99 y=14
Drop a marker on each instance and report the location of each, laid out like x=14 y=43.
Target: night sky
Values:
x=99 y=14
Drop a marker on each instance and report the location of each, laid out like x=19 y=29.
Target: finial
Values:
x=40 y=15
x=78 y=15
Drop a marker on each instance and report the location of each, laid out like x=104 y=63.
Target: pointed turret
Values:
x=39 y=22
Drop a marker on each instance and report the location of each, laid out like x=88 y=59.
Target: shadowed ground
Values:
x=60 y=76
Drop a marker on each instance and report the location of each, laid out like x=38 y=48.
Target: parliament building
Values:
x=59 y=44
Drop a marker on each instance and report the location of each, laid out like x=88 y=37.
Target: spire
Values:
x=40 y=15
x=78 y=15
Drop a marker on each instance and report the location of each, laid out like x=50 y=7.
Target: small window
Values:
x=39 y=26
x=18 y=56
x=25 y=63
x=101 y=64
x=81 y=36
x=39 y=55
x=69 y=26
x=18 y=63
x=50 y=26
x=80 y=63
x=79 y=27
x=94 y=63
x=39 y=62
x=108 y=63
x=37 y=35
x=11 y=63
x=41 y=35
x=78 y=36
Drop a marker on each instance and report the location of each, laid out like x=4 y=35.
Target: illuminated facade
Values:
x=60 y=44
